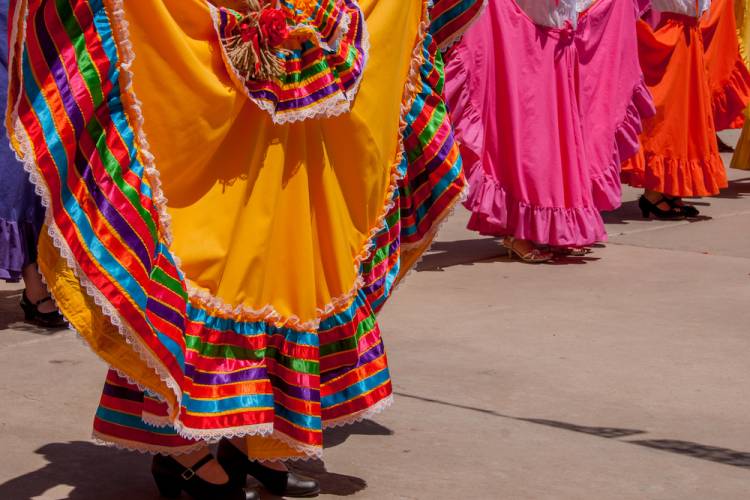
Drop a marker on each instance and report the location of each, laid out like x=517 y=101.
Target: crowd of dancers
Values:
x=221 y=195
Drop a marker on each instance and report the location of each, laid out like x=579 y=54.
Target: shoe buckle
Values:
x=187 y=474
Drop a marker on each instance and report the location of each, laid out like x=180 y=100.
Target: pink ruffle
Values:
x=607 y=187
x=496 y=213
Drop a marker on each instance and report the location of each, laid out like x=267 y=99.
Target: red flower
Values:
x=273 y=26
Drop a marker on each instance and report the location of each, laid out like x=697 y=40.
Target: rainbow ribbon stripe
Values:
x=322 y=76
x=450 y=18
x=72 y=111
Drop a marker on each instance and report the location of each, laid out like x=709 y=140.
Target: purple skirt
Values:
x=21 y=212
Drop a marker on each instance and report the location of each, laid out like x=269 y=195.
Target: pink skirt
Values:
x=545 y=117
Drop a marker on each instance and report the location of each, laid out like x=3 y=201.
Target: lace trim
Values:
x=438 y=225
x=331 y=107
x=268 y=313
x=121 y=31
x=127 y=56
x=215 y=435
x=410 y=92
x=59 y=242
x=146 y=449
x=370 y=412
x=158 y=421
x=316 y=452
x=308 y=452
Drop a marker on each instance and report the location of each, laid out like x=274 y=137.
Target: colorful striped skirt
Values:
x=224 y=242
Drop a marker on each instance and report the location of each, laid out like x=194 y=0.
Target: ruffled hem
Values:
x=333 y=39
x=731 y=98
x=496 y=213
x=607 y=187
x=145 y=448
x=676 y=177
x=17 y=248
x=152 y=357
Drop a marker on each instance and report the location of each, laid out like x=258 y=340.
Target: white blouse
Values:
x=693 y=8
x=554 y=13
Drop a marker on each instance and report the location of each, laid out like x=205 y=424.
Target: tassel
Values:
x=248 y=50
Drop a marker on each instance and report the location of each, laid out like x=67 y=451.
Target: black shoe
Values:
x=688 y=210
x=279 y=483
x=172 y=478
x=33 y=315
x=648 y=208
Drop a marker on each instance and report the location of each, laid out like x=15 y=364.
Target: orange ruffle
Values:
x=676 y=177
x=728 y=77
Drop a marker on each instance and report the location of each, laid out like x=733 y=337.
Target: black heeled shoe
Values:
x=172 y=478
x=279 y=483
x=648 y=208
x=688 y=210
x=32 y=314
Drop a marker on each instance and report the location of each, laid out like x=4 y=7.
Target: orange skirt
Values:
x=679 y=154
x=728 y=75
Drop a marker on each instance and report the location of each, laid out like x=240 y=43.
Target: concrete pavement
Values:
x=622 y=375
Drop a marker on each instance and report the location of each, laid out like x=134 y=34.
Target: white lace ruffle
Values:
x=121 y=31
x=329 y=108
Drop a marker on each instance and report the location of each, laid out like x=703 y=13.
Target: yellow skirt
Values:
x=225 y=255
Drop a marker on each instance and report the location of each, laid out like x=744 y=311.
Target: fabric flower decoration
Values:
x=254 y=47
x=273 y=26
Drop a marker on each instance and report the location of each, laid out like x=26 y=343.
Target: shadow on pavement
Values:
x=94 y=472
x=712 y=453
x=10 y=312
x=332 y=483
x=335 y=436
x=604 y=432
x=630 y=212
x=738 y=188
x=723 y=456
x=445 y=254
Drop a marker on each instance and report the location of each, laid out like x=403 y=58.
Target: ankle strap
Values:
x=39 y=302
x=42 y=301
x=189 y=472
